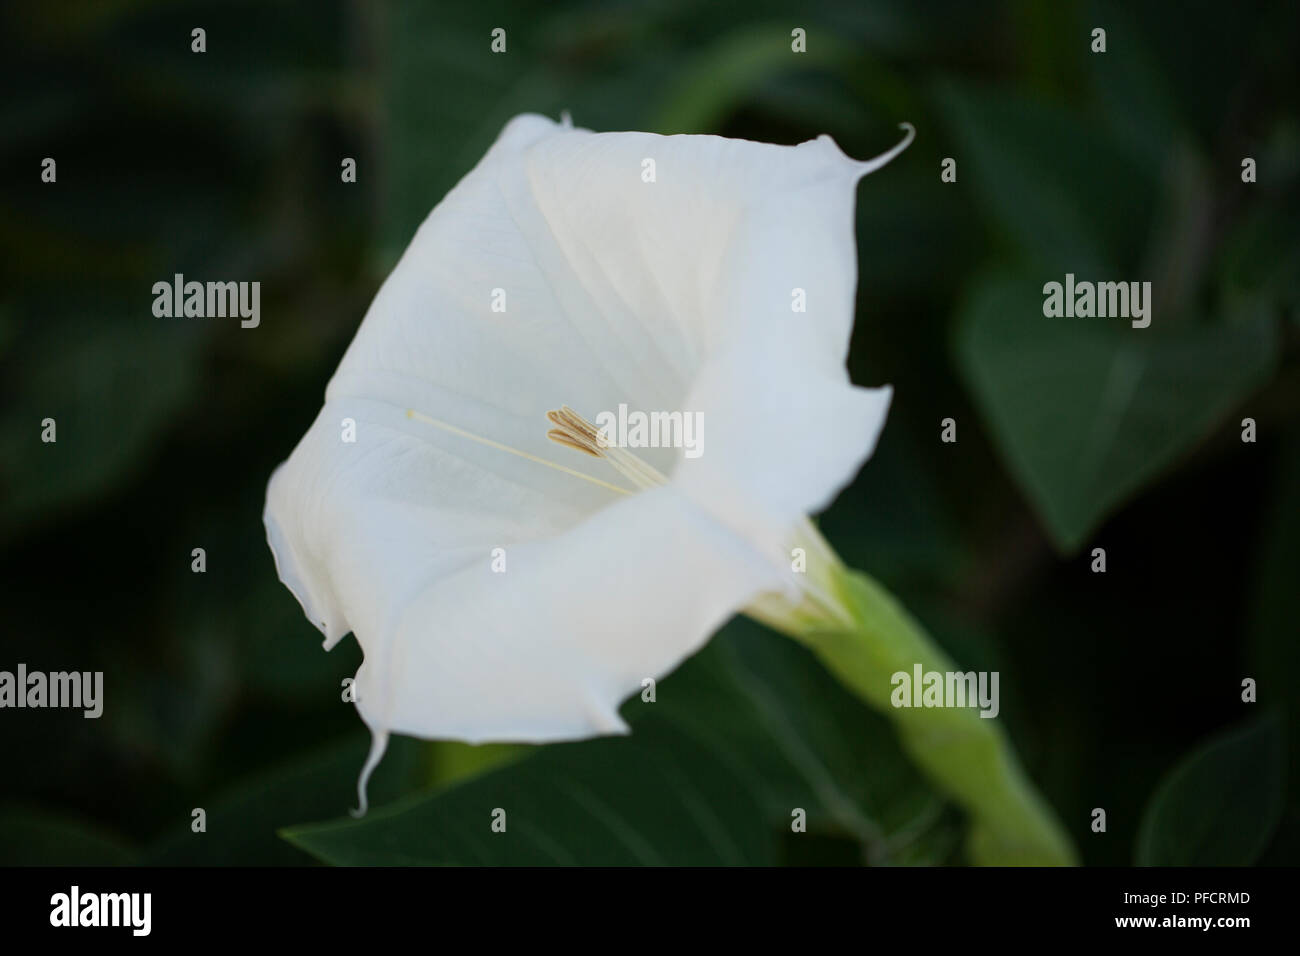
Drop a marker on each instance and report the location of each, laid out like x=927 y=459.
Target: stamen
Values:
x=574 y=431
x=562 y=438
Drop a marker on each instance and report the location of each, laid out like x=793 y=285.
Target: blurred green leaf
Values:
x=1152 y=121
x=1220 y=805
x=37 y=838
x=243 y=820
x=1087 y=411
x=717 y=79
x=111 y=385
x=740 y=736
x=1261 y=255
x=1062 y=190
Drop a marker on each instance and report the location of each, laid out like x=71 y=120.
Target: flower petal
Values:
x=779 y=444
x=544 y=651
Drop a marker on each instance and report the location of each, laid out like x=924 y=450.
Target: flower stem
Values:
x=965 y=755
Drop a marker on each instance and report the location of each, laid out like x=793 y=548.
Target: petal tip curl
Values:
x=863 y=167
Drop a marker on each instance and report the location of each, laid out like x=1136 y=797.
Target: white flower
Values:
x=557 y=275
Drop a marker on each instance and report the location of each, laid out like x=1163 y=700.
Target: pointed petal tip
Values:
x=862 y=167
x=378 y=744
x=871 y=165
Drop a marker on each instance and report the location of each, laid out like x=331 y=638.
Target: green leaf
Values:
x=110 y=384
x=1220 y=805
x=737 y=738
x=1153 y=119
x=1068 y=196
x=716 y=80
x=1087 y=411
x=37 y=838
x=242 y=820
x=1261 y=255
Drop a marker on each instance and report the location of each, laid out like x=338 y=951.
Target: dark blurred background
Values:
x=1121 y=690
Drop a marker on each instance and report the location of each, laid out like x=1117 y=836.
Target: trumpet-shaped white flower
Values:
x=508 y=574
